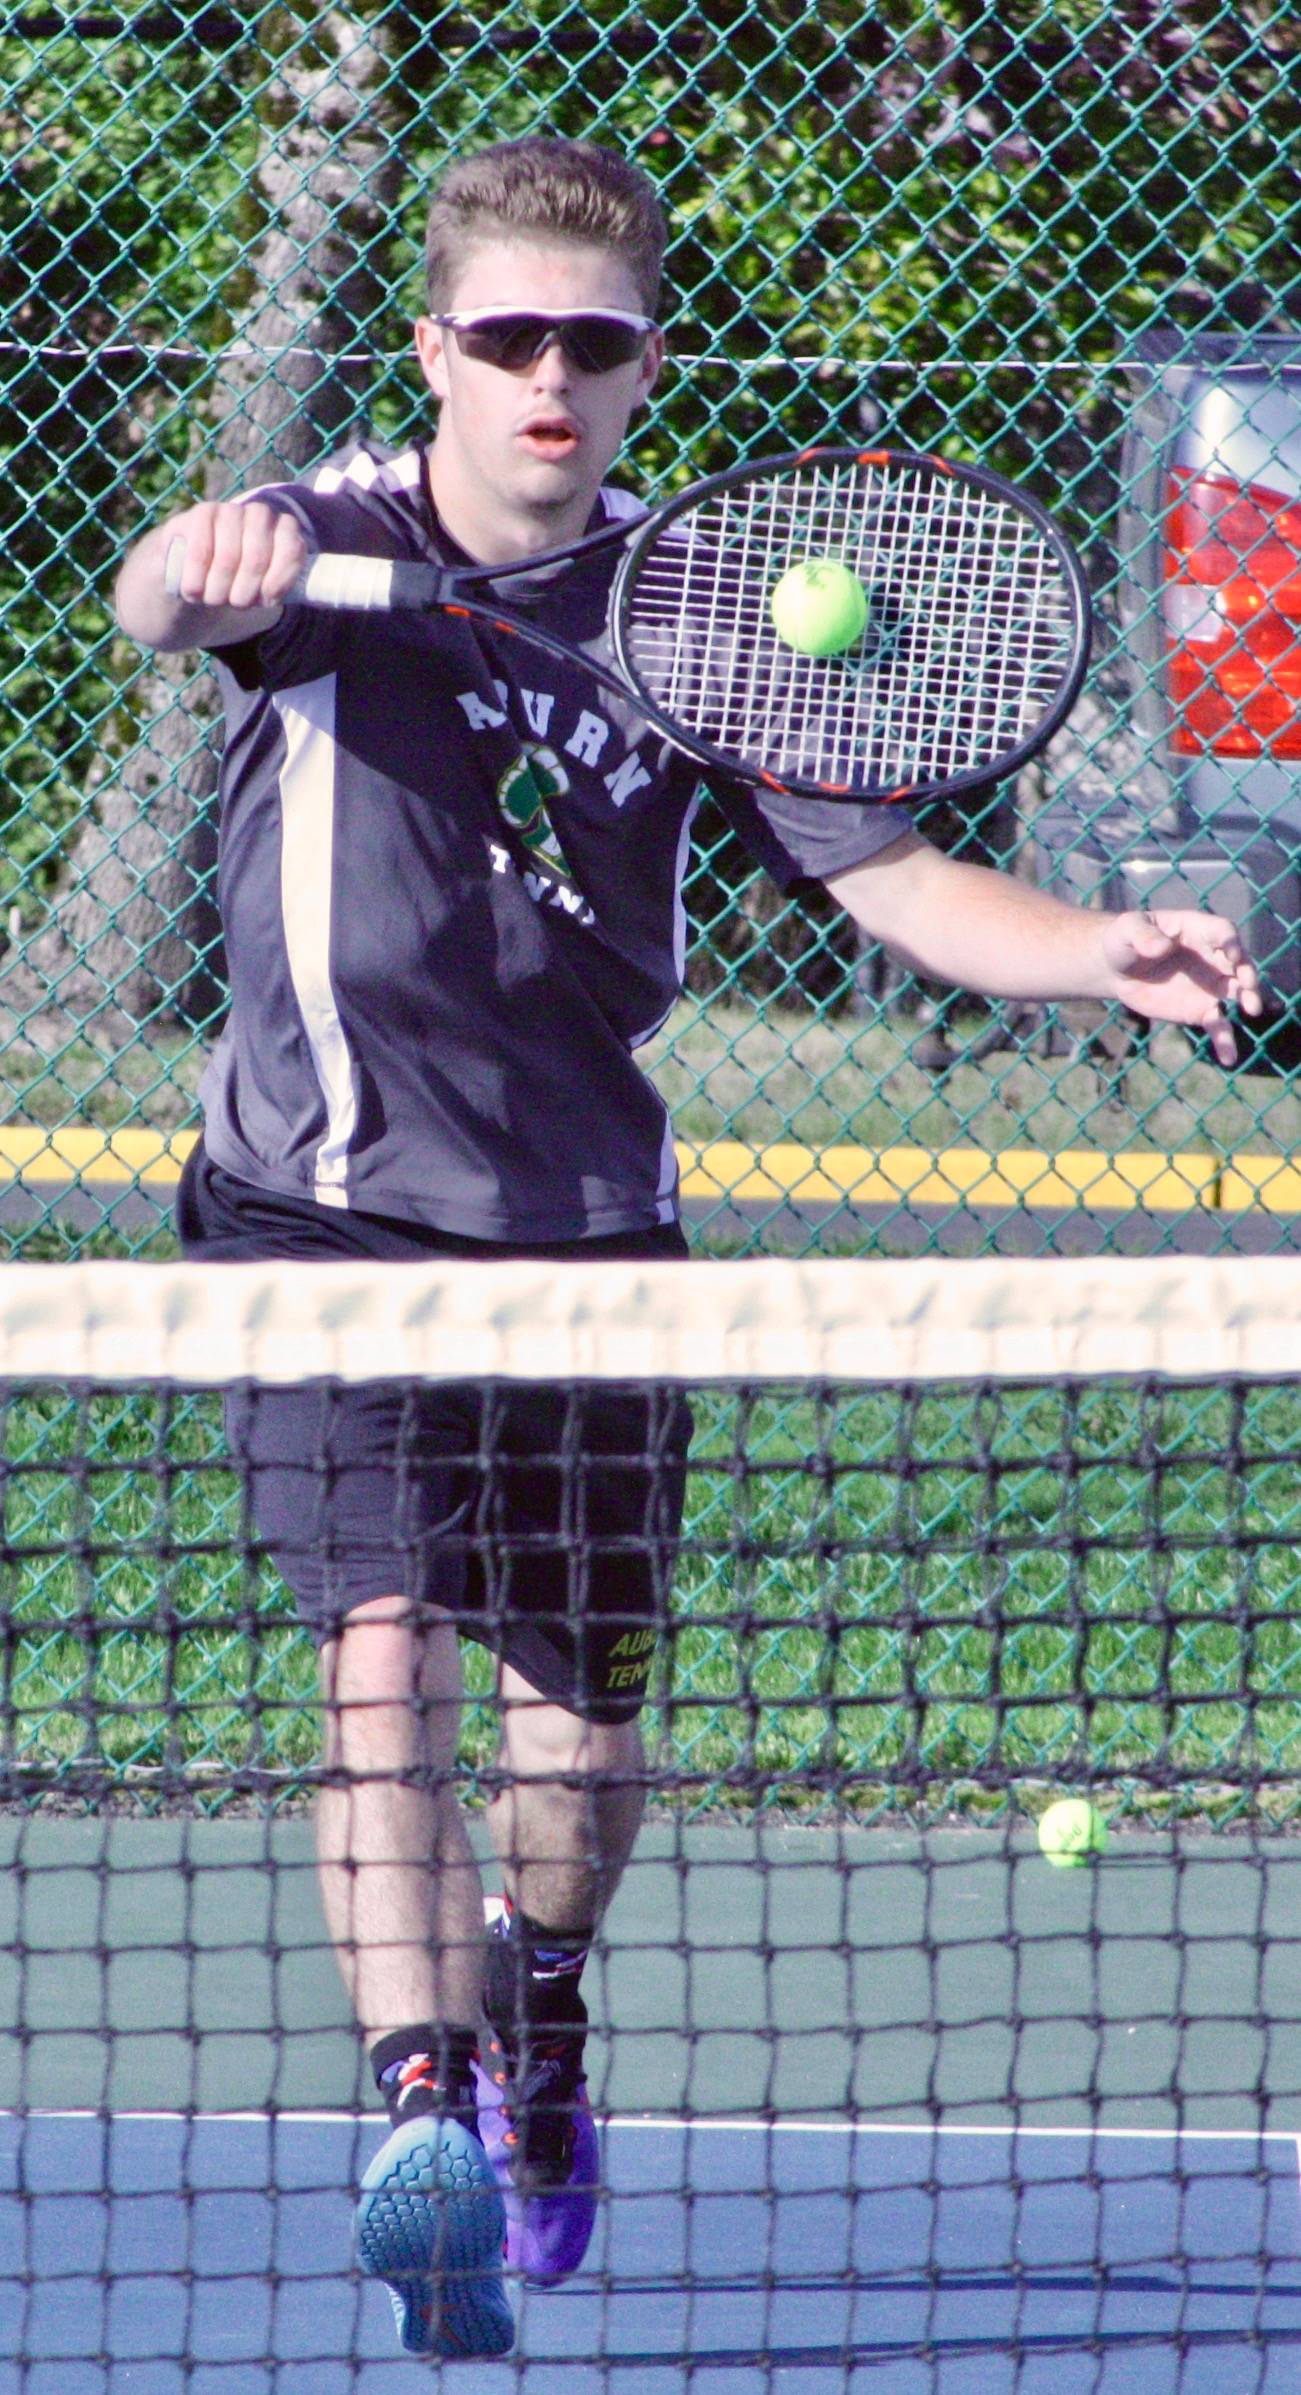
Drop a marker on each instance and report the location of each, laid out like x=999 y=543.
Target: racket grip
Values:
x=334 y=579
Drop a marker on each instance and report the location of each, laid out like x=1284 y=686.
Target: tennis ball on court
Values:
x=1072 y=1832
x=819 y=607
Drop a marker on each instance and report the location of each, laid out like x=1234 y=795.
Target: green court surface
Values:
x=883 y=2113
x=168 y=1964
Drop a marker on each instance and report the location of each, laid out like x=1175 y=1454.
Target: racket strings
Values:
x=972 y=628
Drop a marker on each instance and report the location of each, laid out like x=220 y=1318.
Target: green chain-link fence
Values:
x=1029 y=234
x=1059 y=237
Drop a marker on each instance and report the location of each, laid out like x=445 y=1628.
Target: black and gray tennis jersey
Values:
x=451 y=874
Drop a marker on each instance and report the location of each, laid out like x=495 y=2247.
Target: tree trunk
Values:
x=128 y=949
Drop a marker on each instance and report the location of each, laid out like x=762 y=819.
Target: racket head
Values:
x=973 y=653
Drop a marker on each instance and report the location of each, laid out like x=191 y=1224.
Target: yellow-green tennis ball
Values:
x=819 y=607
x=1072 y=1832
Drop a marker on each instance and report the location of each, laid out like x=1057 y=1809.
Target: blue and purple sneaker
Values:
x=431 y=2224
x=536 y=2124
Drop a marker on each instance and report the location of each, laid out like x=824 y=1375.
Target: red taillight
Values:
x=1232 y=607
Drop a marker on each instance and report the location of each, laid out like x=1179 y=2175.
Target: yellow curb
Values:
x=1015 y=1177
x=33 y=1155
x=729 y=1168
x=1271 y=1182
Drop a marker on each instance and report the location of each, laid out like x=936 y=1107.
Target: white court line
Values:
x=648 y=2120
x=739 y=2127
x=723 y=2124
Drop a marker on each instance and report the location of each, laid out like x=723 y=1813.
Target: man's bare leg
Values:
x=404 y=1906
x=564 y=1826
x=401 y=1889
x=567 y=1820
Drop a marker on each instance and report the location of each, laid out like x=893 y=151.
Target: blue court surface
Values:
x=154 y=2255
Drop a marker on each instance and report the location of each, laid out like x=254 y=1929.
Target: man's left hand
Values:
x=1182 y=967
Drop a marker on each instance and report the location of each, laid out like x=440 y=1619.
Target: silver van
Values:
x=1206 y=805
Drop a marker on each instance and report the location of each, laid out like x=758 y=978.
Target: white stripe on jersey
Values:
x=680 y=925
x=666 y=1206
x=666 y=1201
x=306 y=884
x=364 y=471
x=621 y=506
x=405 y=473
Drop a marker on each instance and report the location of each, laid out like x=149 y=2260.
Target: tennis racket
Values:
x=972 y=654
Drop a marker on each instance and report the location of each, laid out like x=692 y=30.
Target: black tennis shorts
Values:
x=544 y=1518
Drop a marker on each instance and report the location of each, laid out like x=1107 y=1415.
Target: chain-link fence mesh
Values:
x=1057 y=236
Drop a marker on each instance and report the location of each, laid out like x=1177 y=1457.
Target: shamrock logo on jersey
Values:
x=523 y=792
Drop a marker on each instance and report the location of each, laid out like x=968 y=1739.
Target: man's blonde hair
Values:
x=547 y=189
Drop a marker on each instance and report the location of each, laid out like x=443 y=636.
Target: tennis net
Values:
x=885 y=2100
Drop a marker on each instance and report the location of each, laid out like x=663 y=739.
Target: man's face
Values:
x=525 y=450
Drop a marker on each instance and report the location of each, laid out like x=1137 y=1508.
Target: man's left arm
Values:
x=1000 y=938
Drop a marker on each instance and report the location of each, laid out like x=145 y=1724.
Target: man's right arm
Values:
x=241 y=561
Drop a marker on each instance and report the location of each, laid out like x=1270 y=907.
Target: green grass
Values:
x=734 y=1068
x=1094 y=1583
x=729 y=1070
x=952 y=1605
x=763 y=1073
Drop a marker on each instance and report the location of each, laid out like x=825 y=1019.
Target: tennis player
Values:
x=451 y=881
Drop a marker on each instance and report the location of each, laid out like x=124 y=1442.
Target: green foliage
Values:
x=120 y=168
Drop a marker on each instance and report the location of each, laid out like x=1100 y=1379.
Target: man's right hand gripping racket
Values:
x=962 y=614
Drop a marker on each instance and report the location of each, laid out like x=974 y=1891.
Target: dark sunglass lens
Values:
x=508 y=341
x=592 y=343
x=597 y=345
